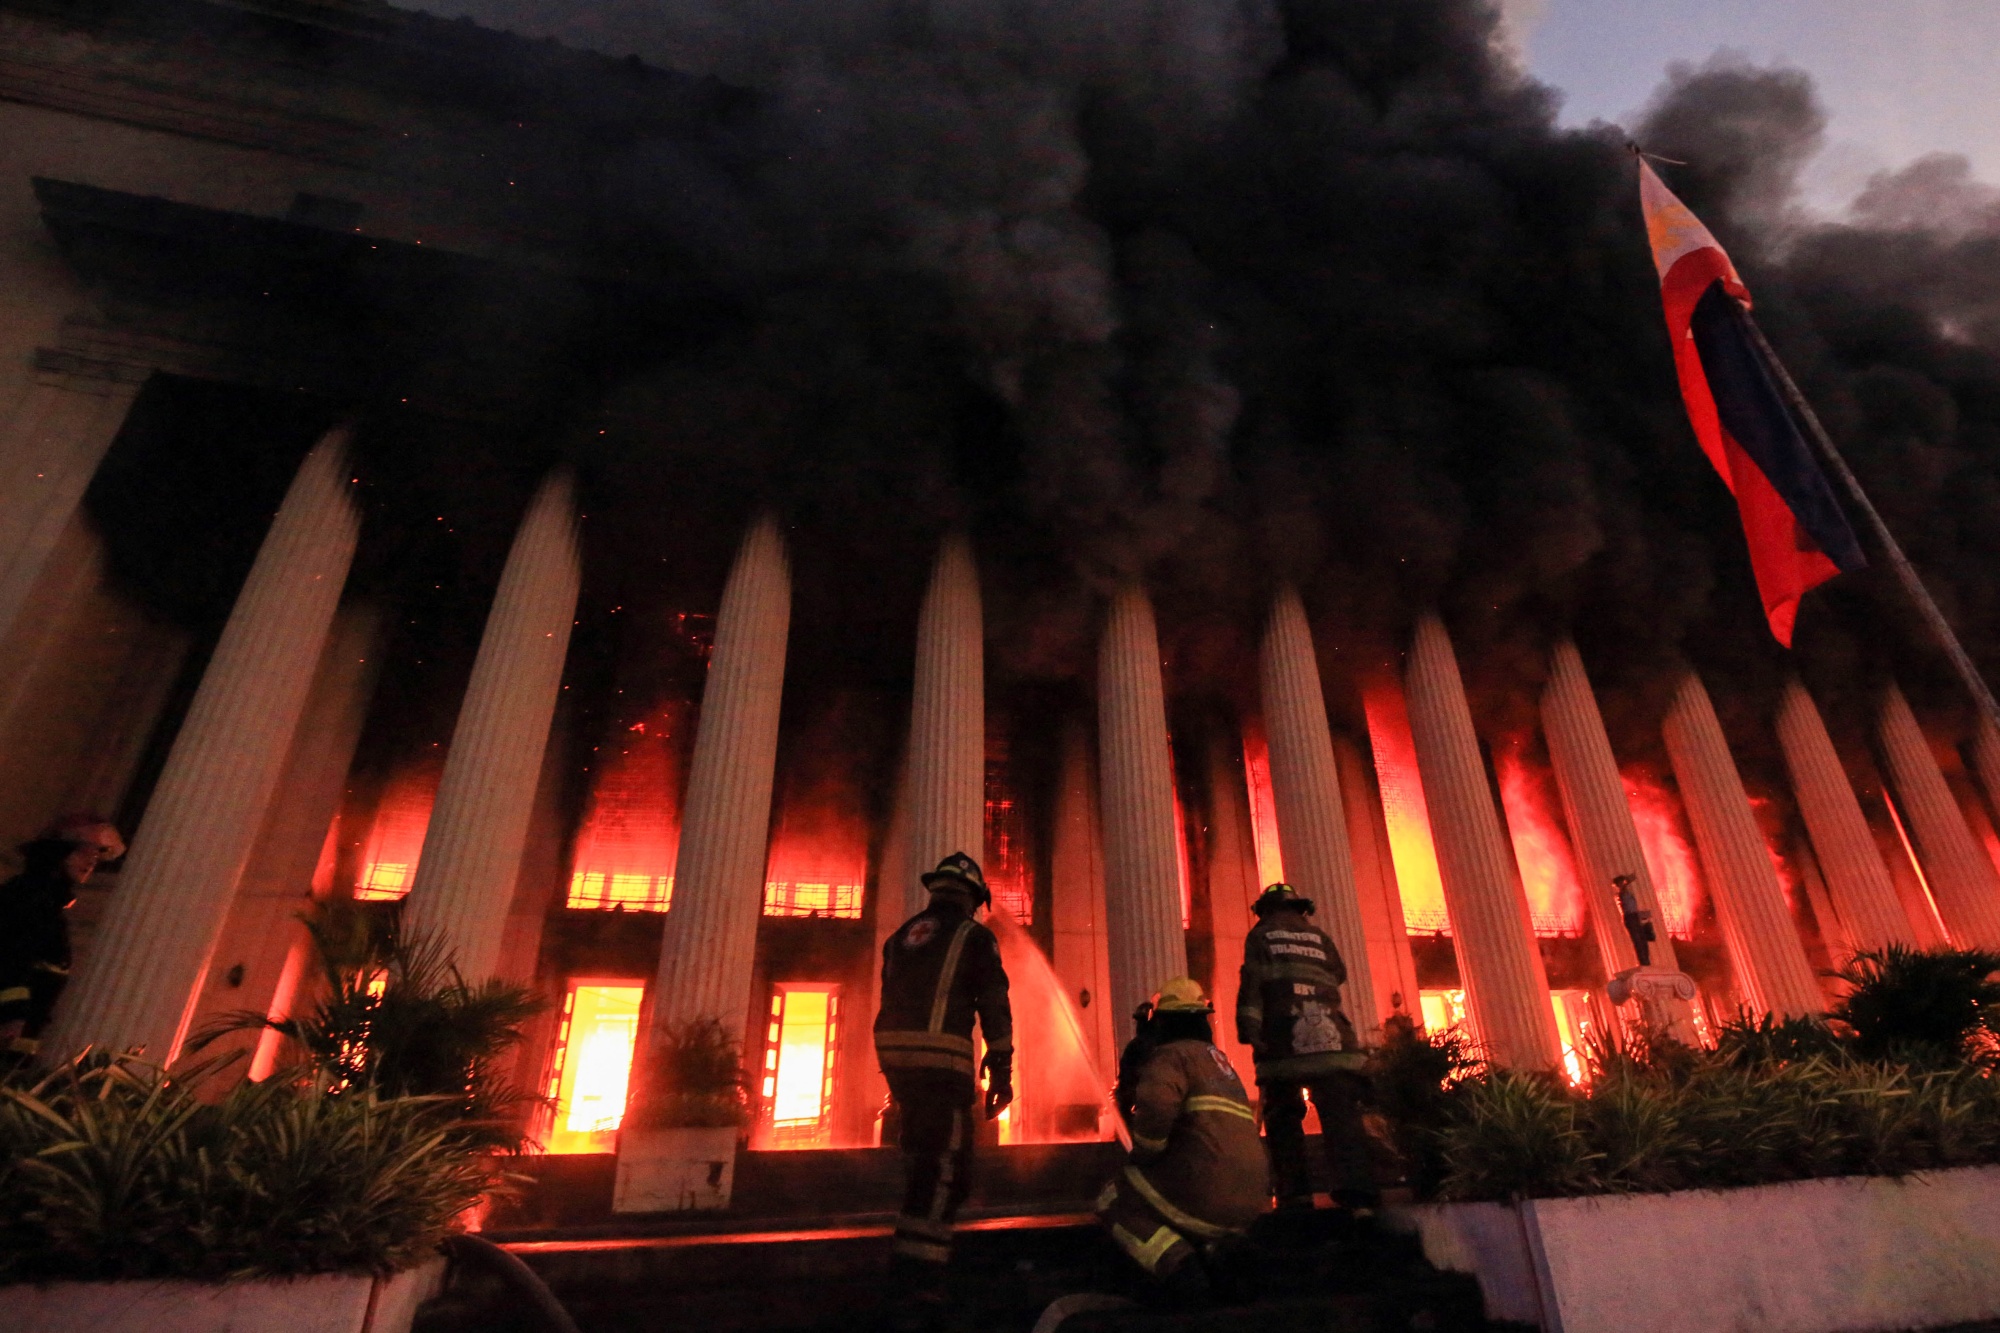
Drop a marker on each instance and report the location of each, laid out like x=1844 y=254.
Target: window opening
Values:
x=591 y=1071
x=801 y=1041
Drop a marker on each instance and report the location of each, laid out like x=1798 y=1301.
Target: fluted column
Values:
x=138 y=984
x=1986 y=758
x=1141 y=854
x=1963 y=881
x=1857 y=883
x=486 y=796
x=1081 y=953
x=709 y=944
x=1764 y=947
x=1600 y=820
x=49 y=452
x=947 y=723
x=1390 y=960
x=1505 y=984
x=1305 y=782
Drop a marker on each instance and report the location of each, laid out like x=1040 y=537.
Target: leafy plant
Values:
x=396 y=1018
x=1926 y=1007
x=692 y=1078
x=112 y=1168
x=1770 y=1040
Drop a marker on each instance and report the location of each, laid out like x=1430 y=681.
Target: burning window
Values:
x=1263 y=807
x=626 y=849
x=801 y=1040
x=1541 y=848
x=1576 y=1023
x=1670 y=859
x=592 y=1066
x=1404 y=809
x=1006 y=863
x=1443 y=1010
x=813 y=897
x=396 y=836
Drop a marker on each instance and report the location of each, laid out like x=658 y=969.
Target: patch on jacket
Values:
x=920 y=932
x=1222 y=1063
x=1314 y=1030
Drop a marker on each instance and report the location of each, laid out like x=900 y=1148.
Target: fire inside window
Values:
x=1575 y=1026
x=800 y=1044
x=604 y=890
x=825 y=898
x=396 y=836
x=592 y=1068
x=1443 y=1010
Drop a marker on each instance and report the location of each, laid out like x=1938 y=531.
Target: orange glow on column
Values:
x=801 y=1040
x=592 y=1069
x=1263 y=806
x=396 y=835
x=1403 y=808
x=1670 y=858
x=630 y=837
x=1541 y=849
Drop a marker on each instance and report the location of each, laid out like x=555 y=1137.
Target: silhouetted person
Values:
x=34 y=925
x=940 y=971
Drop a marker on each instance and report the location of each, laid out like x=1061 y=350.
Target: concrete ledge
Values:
x=1812 y=1256
x=328 y=1303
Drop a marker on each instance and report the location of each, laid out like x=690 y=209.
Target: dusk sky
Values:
x=1901 y=78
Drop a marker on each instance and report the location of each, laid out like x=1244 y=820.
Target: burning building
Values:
x=631 y=522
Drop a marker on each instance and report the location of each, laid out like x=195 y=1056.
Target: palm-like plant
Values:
x=1927 y=1007
x=692 y=1079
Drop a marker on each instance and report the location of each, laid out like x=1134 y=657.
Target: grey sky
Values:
x=1901 y=77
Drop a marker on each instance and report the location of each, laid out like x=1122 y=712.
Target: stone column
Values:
x=138 y=985
x=1986 y=759
x=1082 y=958
x=1857 y=883
x=1305 y=785
x=947 y=723
x=1141 y=854
x=1390 y=960
x=49 y=452
x=1962 y=880
x=1764 y=947
x=709 y=945
x=1505 y=984
x=1600 y=821
x=1232 y=886
x=486 y=796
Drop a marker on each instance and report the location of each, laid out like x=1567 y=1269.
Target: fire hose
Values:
x=478 y=1252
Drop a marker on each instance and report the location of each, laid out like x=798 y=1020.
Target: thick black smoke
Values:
x=1220 y=294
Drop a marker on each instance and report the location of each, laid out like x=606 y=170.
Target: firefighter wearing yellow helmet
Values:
x=1196 y=1177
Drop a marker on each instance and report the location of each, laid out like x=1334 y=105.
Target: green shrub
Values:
x=112 y=1168
x=1929 y=1007
x=692 y=1078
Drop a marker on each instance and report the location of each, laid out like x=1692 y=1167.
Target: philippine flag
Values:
x=1798 y=536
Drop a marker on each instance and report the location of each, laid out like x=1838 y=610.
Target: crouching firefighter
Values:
x=34 y=925
x=1196 y=1178
x=940 y=970
x=1288 y=1013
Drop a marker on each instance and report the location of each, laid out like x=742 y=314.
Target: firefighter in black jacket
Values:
x=940 y=970
x=1288 y=1013
x=34 y=927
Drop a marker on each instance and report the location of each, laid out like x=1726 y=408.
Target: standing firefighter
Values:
x=940 y=970
x=1288 y=1013
x=1197 y=1177
x=34 y=926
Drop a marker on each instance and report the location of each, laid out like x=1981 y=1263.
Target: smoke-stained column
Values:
x=138 y=984
x=1141 y=854
x=1312 y=827
x=947 y=723
x=1504 y=980
x=1390 y=960
x=1857 y=883
x=1963 y=881
x=1082 y=945
x=709 y=945
x=1600 y=821
x=479 y=824
x=49 y=452
x=1764 y=947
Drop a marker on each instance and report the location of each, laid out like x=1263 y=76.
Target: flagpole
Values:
x=1906 y=573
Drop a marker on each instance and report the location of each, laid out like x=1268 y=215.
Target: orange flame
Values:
x=396 y=835
x=1403 y=808
x=1541 y=849
x=1263 y=806
x=1670 y=859
x=818 y=865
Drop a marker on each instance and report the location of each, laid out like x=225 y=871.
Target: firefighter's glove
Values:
x=999 y=1067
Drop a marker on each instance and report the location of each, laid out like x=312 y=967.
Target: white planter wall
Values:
x=674 y=1170
x=330 y=1303
x=1814 y=1256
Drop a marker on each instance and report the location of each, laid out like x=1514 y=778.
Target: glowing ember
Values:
x=629 y=839
x=593 y=1065
x=801 y=1040
x=396 y=835
x=1404 y=810
x=1263 y=806
x=1548 y=871
x=1670 y=859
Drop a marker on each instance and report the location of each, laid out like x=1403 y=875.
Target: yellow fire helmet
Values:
x=1182 y=995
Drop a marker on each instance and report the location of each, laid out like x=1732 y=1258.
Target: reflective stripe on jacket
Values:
x=1288 y=1000
x=1197 y=1165
x=940 y=971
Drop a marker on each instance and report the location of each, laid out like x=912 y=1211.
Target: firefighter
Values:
x=1288 y=1013
x=940 y=970
x=34 y=925
x=1196 y=1178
